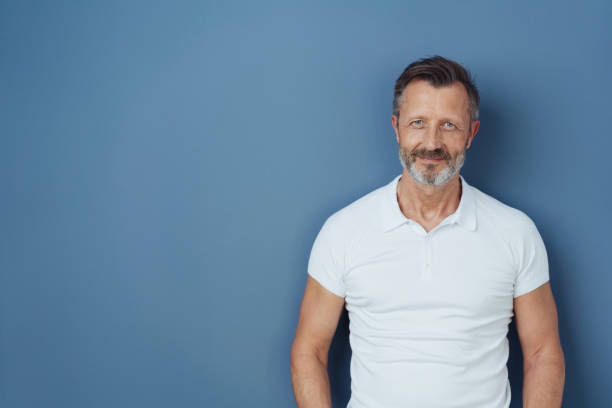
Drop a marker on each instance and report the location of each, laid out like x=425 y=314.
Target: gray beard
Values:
x=429 y=177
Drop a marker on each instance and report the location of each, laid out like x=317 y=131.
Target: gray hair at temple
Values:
x=438 y=71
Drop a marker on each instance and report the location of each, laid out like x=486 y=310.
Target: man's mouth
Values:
x=430 y=160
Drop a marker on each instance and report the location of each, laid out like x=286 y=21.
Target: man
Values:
x=431 y=270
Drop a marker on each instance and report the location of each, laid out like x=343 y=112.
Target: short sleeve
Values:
x=326 y=262
x=532 y=271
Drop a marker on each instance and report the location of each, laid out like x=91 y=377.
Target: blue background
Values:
x=167 y=166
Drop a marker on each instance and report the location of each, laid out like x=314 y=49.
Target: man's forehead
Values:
x=420 y=94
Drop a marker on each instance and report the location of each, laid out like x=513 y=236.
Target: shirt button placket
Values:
x=427 y=257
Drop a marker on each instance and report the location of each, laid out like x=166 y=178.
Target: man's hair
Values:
x=438 y=71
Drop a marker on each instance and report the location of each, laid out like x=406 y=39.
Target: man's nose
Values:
x=432 y=138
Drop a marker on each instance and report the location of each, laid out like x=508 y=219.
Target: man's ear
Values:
x=473 y=130
x=394 y=122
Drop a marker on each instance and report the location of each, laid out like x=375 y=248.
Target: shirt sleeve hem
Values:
x=327 y=285
x=528 y=288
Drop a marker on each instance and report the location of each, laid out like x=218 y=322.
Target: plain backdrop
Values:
x=166 y=167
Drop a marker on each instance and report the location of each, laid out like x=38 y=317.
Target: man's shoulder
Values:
x=500 y=214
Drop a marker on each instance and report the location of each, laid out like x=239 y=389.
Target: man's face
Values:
x=433 y=131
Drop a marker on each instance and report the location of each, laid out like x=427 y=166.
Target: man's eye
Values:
x=417 y=123
x=449 y=125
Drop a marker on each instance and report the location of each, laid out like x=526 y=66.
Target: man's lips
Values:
x=430 y=160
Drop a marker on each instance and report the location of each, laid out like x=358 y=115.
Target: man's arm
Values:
x=544 y=364
x=319 y=315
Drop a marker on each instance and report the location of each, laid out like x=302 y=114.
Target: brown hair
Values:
x=438 y=71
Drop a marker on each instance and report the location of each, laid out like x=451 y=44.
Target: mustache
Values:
x=431 y=154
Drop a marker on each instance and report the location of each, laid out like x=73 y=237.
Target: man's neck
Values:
x=425 y=203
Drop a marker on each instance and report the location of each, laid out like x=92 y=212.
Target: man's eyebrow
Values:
x=454 y=119
x=416 y=116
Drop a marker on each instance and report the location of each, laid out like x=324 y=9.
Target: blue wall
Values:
x=166 y=167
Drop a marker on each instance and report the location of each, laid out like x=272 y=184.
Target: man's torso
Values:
x=429 y=311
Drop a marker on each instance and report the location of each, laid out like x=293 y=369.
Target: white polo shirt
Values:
x=429 y=311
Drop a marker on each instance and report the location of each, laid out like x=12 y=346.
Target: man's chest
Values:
x=408 y=280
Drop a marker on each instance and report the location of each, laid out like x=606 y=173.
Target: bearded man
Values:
x=431 y=271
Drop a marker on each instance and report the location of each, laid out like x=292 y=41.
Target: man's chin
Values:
x=427 y=177
x=428 y=173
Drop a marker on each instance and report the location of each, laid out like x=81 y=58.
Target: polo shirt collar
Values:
x=392 y=216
